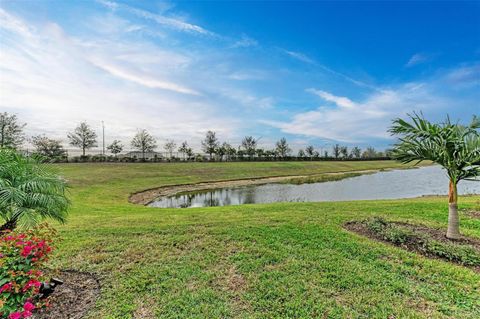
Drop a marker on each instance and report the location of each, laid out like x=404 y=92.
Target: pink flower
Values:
x=28 y=306
x=6 y=287
x=15 y=315
x=26 y=251
x=32 y=283
x=26 y=314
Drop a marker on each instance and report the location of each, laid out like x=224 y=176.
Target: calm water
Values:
x=430 y=180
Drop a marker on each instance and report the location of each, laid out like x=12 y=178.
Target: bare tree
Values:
x=356 y=152
x=48 y=148
x=370 y=152
x=301 y=153
x=309 y=150
x=144 y=142
x=210 y=143
x=344 y=151
x=83 y=137
x=281 y=148
x=115 y=148
x=336 y=151
x=229 y=150
x=170 y=147
x=11 y=132
x=249 y=145
x=185 y=150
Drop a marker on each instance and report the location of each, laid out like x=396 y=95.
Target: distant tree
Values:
x=260 y=152
x=453 y=146
x=270 y=153
x=11 y=132
x=389 y=152
x=316 y=154
x=210 y=143
x=83 y=137
x=301 y=153
x=310 y=150
x=48 y=148
x=115 y=147
x=356 y=152
x=281 y=148
x=344 y=151
x=185 y=150
x=170 y=147
x=370 y=152
x=336 y=151
x=144 y=142
x=221 y=151
x=325 y=154
x=240 y=153
x=249 y=144
x=229 y=150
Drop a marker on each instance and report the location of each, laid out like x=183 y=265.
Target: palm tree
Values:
x=453 y=146
x=29 y=191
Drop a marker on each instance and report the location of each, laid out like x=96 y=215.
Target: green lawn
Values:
x=286 y=260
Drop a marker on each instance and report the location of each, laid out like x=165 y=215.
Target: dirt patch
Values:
x=145 y=197
x=417 y=242
x=74 y=298
x=144 y=310
x=473 y=213
x=235 y=281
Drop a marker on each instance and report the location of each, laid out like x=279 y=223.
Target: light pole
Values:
x=103 y=139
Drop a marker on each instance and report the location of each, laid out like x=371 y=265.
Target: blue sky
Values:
x=315 y=72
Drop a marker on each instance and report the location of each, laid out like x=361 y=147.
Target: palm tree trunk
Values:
x=453 y=231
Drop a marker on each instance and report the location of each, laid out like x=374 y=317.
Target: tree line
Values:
x=84 y=138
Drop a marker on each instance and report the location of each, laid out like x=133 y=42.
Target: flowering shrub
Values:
x=22 y=255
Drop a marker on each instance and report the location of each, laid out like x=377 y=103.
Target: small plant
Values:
x=22 y=255
x=406 y=236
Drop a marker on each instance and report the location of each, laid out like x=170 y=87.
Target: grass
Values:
x=284 y=260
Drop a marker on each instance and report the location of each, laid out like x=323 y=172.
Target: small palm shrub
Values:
x=29 y=191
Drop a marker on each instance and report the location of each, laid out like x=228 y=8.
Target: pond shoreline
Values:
x=145 y=197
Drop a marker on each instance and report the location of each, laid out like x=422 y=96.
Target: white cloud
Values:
x=416 y=59
x=299 y=56
x=340 y=101
x=358 y=122
x=171 y=22
x=53 y=81
x=245 y=42
x=141 y=79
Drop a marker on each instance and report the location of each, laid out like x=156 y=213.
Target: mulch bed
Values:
x=74 y=298
x=434 y=233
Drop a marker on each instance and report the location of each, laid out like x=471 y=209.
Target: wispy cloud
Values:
x=141 y=79
x=170 y=22
x=245 y=42
x=299 y=56
x=340 y=101
x=66 y=79
x=417 y=58
x=360 y=121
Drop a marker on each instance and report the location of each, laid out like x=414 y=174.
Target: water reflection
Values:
x=430 y=180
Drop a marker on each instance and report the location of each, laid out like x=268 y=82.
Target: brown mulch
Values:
x=434 y=233
x=74 y=298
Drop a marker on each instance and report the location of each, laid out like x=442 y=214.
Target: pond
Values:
x=430 y=180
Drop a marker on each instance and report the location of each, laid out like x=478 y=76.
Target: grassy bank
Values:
x=286 y=260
